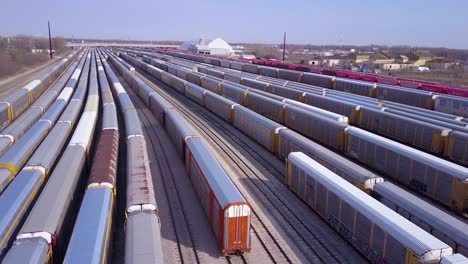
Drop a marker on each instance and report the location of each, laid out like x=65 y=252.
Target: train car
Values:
x=446 y=117
x=344 y=108
x=142 y=239
x=421 y=135
x=289 y=93
x=33 y=250
x=227 y=210
x=177 y=83
x=268 y=71
x=195 y=77
x=435 y=88
x=90 y=240
x=144 y=91
x=166 y=78
x=211 y=84
x=233 y=77
x=295 y=76
x=324 y=113
x=195 y=93
x=440 y=224
x=416 y=98
x=236 y=65
x=140 y=190
x=178 y=129
x=215 y=73
x=316 y=127
x=45 y=221
x=14 y=159
x=454 y=259
x=182 y=73
x=265 y=106
x=408 y=83
x=153 y=71
x=225 y=63
x=456 y=91
x=158 y=106
x=456 y=148
x=376 y=231
x=452 y=105
x=318 y=80
x=233 y=92
x=355 y=87
x=255 y=84
x=220 y=106
x=252 y=68
x=290 y=141
x=263 y=130
x=133 y=126
x=439 y=179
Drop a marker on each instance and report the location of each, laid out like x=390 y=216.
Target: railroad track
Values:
x=309 y=240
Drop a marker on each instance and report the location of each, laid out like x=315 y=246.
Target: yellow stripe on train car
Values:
x=460 y=195
x=108 y=230
x=411 y=258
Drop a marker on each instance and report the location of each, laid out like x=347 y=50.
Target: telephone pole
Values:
x=50 y=40
x=284 y=45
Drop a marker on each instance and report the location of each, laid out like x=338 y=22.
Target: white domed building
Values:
x=217 y=46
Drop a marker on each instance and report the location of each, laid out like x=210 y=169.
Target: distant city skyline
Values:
x=427 y=23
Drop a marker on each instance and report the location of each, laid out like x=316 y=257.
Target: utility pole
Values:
x=284 y=45
x=50 y=40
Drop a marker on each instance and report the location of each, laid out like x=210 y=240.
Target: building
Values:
x=336 y=60
x=396 y=66
x=358 y=57
x=312 y=62
x=217 y=46
x=419 y=58
x=380 y=58
x=442 y=63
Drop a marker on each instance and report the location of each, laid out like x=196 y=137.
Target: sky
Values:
x=431 y=23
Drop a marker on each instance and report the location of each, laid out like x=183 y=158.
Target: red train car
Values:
x=226 y=208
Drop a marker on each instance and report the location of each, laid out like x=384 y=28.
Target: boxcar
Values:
x=316 y=127
x=261 y=129
x=318 y=79
x=405 y=96
x=290 y=141
x=439 y=179
x=220 y=106
x=430 y=218
x=456 y=148
x=195 y=93
x=178 y=129
x=452 y=105
x=295 y=76
x=379 y=233
x=255 y=84
x=355 y=87
x=265 y=106
x=227 y=210
x=348 y=109
x=233 y=92
x=143 y=239
x=416 y=133
x=268 y=71
x=454 y=259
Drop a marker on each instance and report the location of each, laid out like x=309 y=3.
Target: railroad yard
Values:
x=149 y=155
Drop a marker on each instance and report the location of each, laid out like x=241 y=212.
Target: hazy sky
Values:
x=391 y=22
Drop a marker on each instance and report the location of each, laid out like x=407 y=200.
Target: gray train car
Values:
x=379 y=233
x=261 y=129
x=440 y=224
x=439 y=179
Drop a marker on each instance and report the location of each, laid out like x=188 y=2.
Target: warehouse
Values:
x=217 y=46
